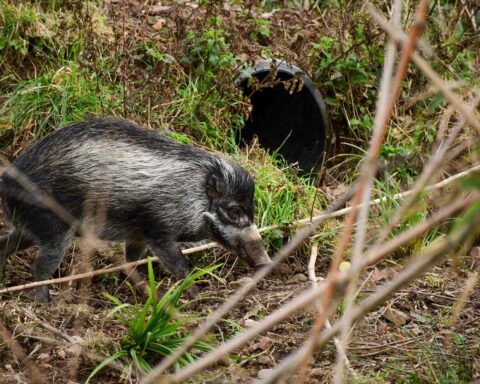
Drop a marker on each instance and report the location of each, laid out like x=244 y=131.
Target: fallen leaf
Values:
x=159 y=9
x=159 y=24
x=43 y=356
x=416 y=330
x=61 y=353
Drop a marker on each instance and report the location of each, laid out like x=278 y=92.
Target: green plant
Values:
x=208 y=106
x=154 y=329
x=36 y=106
x=21 y=28
x=261 y=31
x=209 y=51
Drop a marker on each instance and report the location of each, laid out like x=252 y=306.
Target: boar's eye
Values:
x=234 y=213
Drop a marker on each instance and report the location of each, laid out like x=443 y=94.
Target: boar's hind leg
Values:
x=14 y=242
x=135 y=249
x=48 y=260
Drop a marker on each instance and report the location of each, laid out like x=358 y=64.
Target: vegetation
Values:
x=154 y=328
x=172 y=67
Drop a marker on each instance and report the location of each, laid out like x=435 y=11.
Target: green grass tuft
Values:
x=155 y=328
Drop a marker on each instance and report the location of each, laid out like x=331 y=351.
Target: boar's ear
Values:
x=214 y=186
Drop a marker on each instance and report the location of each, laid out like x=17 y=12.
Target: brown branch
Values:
x=384 y=109
x=399 y=36
x=433 y=165
x=430 y=256
x=311 y=295
x=34 y=373
x=328 y=325
x=368 y=172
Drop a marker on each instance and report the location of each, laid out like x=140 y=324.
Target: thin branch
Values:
x=328 y=325
x=428 y=257
x=309 y=296
x=69 y=341
x=386 y=104
x=34 y=373
x=432 y=166
x=304 y=222
x=423 y=65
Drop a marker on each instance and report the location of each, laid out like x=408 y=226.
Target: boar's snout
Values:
x=251 y=247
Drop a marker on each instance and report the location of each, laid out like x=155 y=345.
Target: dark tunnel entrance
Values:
x=293 y=123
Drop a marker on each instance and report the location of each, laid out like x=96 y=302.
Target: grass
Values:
x=62 y=65
x=155 y=328
x=36 y=106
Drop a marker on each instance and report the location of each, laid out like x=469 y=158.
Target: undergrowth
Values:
x=62 y=61
x=156 y=327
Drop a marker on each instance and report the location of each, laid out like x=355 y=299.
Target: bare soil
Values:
x=412 y=337
x=409 y=339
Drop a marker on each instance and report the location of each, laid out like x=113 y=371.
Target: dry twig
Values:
x=34 y=373
x=428 y=257
x=312 y=294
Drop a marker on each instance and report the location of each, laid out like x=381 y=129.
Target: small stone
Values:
x=240 y=282
x=298 y=278
x=264 y=343
x=396 y=317
x=250 y=323
x=475 y=252
x=264 y=373
x=265 y=360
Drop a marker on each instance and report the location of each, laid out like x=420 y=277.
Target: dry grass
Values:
x=390 y=322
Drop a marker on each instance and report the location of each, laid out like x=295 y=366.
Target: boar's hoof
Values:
x=42 y=295
x=261 y=265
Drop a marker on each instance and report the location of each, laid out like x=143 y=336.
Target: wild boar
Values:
x=148 y=191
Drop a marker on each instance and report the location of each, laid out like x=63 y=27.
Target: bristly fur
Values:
x=131 y=184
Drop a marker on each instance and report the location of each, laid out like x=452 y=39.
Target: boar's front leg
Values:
x=173 y=260
x=171 y=257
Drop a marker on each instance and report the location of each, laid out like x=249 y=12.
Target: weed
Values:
x=433 y=281
x=155 y=328
x=281 y=196
x=21 y=29
x=49 y=101
x=207 y=107
x=261 y=31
